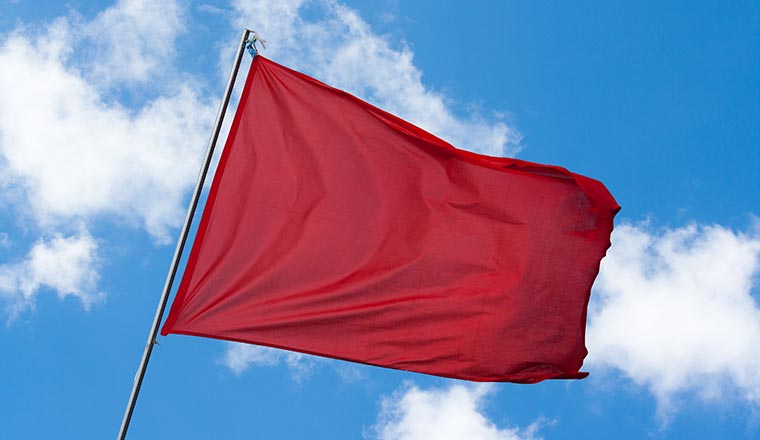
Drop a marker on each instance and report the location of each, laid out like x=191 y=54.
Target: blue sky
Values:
x=105 y=109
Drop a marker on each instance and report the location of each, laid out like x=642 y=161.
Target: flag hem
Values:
x=529 y=376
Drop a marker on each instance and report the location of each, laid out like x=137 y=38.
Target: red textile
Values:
x=334 y=228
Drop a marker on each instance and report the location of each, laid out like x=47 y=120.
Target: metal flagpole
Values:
x=183 y=237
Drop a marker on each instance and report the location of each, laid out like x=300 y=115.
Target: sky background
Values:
x=106 y=109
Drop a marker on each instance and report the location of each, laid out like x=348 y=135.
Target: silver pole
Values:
x=182 y=239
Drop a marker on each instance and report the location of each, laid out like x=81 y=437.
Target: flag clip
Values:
x=251 y=44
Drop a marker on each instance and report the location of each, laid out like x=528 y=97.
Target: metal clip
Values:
x=251 y=44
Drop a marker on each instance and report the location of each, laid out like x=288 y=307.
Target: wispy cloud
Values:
x=5 y=241
x=133 y=42
x=453 y=412
x=241 y=357
x=66 y=265
x=331 y=41
x=77 y=155
x=673 y=311
x=70 y=152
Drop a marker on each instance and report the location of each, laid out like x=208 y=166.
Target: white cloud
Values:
x=241 y=357
x=673 y=310
x=452 y=413
x=66 y=265
x=134 y=39
x=78 y=155
x=333 y=43
x=70 y=151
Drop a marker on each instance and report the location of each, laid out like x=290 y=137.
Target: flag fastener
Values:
x=251 y=44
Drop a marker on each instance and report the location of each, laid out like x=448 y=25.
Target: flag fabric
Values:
x=336 y=229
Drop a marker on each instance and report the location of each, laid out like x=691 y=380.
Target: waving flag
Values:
x=334 y=228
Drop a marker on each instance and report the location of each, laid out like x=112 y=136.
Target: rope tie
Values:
x=251 y=44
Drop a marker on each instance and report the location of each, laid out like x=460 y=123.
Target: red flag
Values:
x=337 y=229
